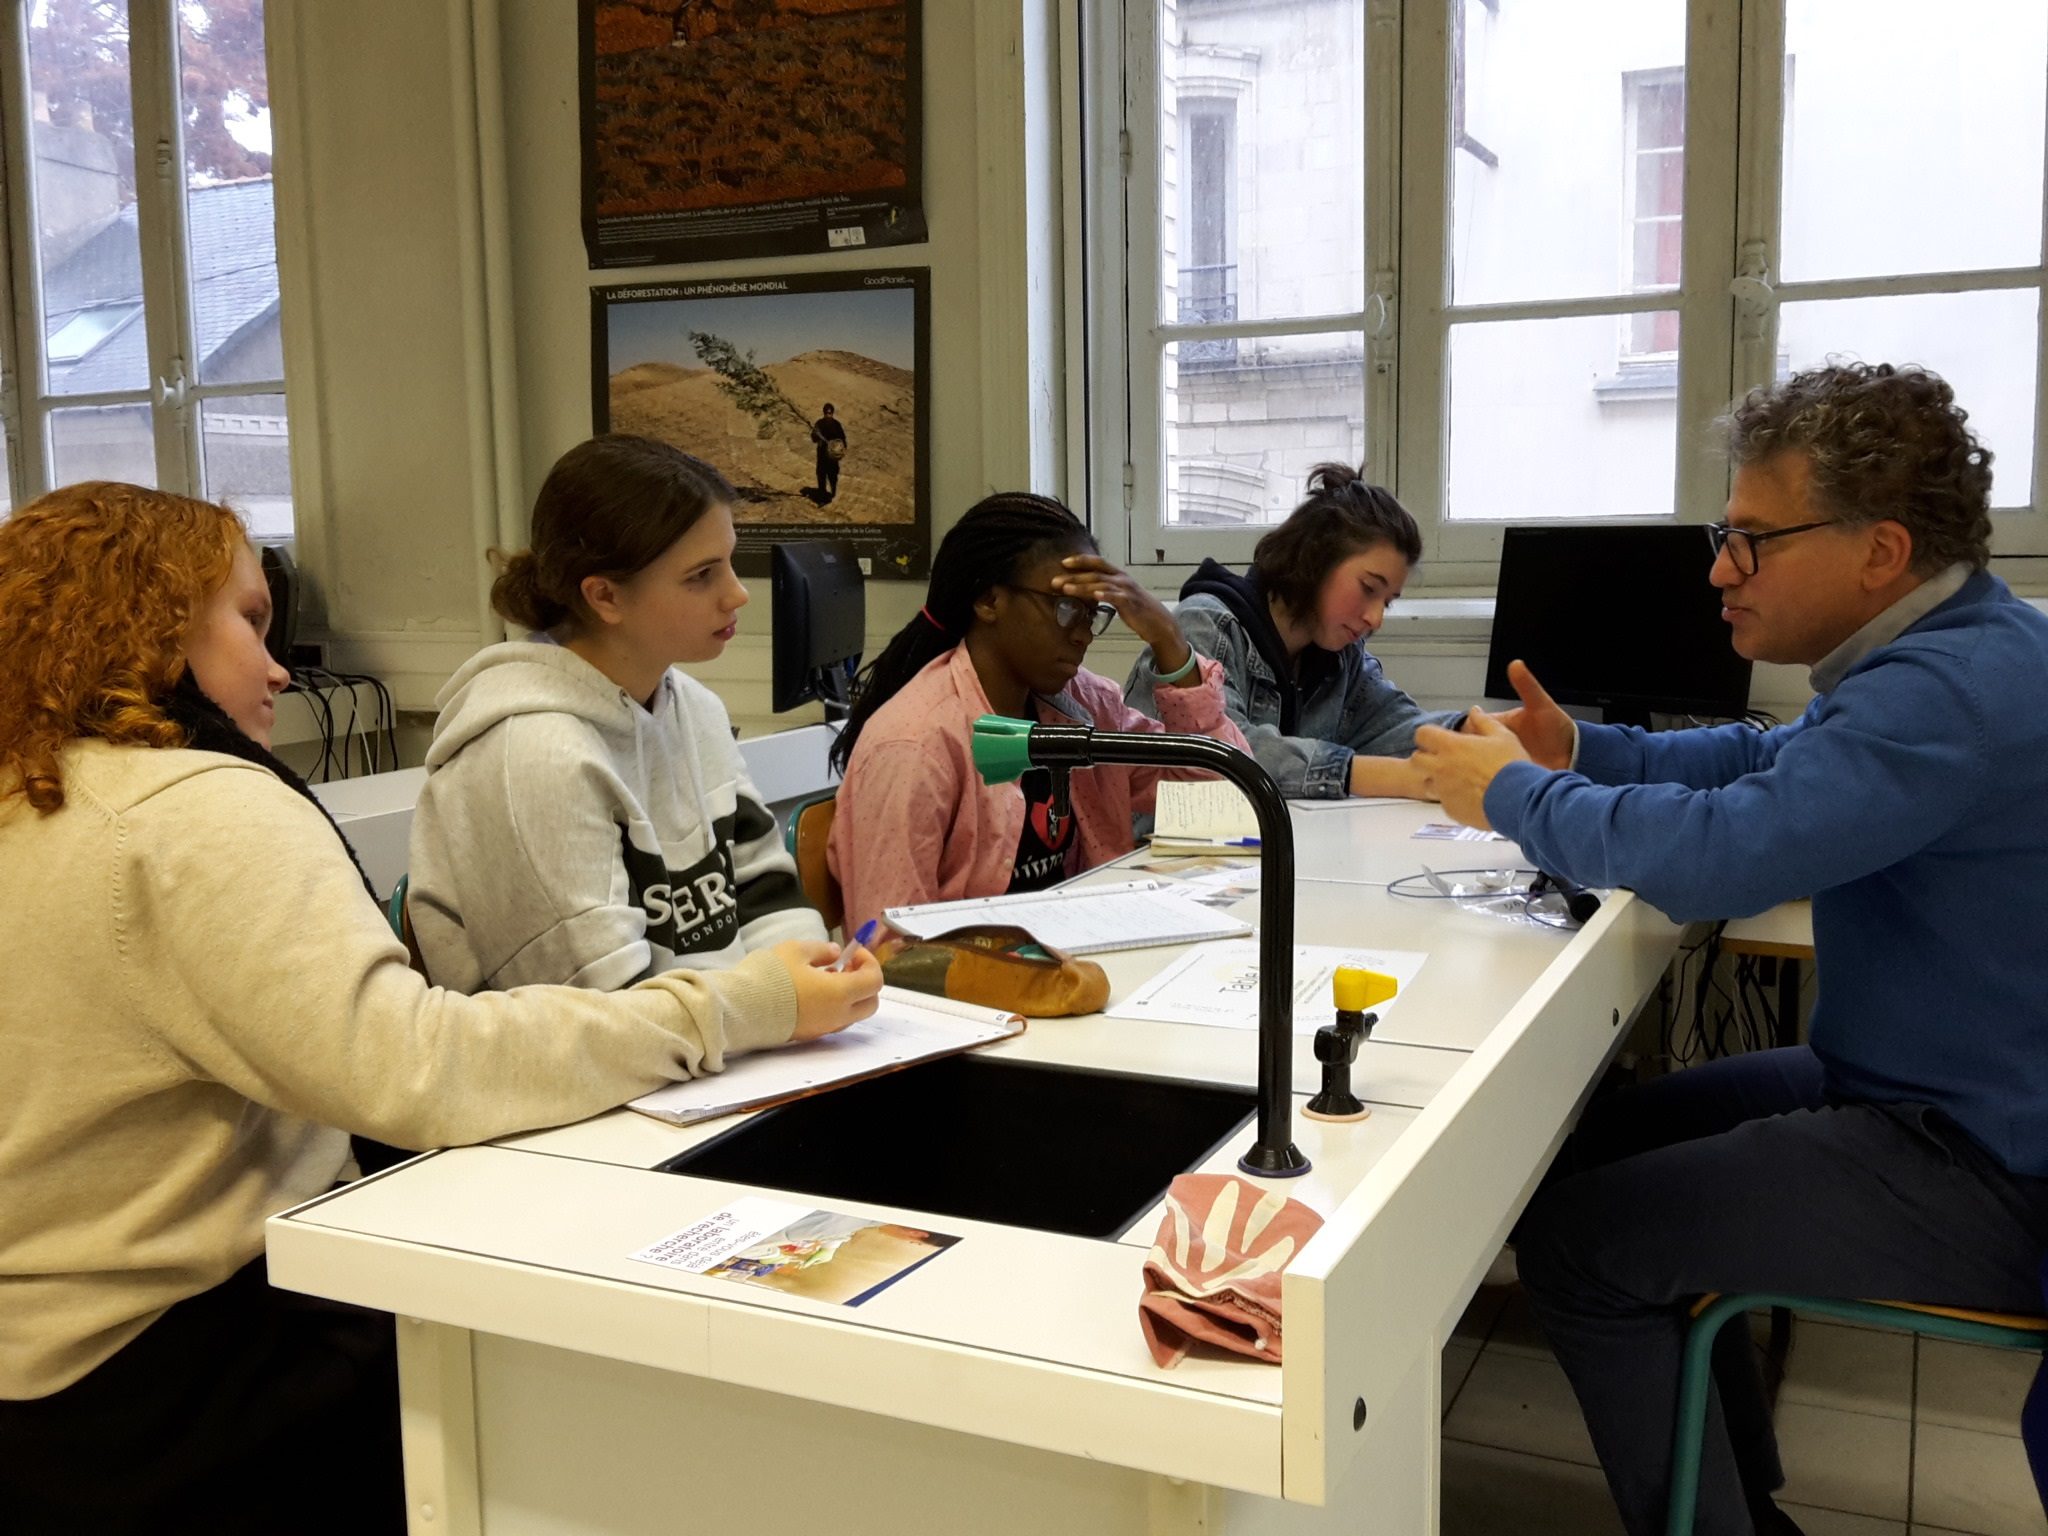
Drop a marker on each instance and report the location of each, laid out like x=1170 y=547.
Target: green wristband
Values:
x=1184 y=671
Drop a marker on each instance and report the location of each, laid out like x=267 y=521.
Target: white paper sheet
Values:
x=906 y=1028
x=1218 y=984
x=1085 y=920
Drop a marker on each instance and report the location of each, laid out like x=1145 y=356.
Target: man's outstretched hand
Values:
x=1460 y=764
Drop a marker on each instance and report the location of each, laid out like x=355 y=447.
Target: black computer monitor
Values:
x=281 y=574
x=821 y=620
x=1620 y=618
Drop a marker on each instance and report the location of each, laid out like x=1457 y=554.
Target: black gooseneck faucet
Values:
x=1005 y=747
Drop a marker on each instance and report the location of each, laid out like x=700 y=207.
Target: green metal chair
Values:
x=401 y=924
x=1999 y=1329
x=810 y=825
x=394 y=910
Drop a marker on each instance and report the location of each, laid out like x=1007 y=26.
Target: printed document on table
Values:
x=1219 y=984
x=818 y=1255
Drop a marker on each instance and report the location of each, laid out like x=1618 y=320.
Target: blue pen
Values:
x=860 y=941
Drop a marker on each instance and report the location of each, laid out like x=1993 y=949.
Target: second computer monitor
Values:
x=820 y=617
x=1623 y=619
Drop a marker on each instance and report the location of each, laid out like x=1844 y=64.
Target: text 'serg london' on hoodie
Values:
x=569 y=834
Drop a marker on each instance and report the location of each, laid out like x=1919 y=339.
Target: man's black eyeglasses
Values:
x=1741 y=543
x=1070 y=612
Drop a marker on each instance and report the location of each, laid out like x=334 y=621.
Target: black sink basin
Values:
x=1060 y=1149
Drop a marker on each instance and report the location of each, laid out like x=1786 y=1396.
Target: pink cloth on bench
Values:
x=1213 y=1275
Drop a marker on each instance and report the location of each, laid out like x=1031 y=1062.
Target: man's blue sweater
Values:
x=1911 y=803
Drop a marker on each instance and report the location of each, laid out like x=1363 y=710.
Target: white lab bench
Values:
x=553 y=1384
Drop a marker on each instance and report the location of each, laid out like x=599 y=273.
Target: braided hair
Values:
x=1000 y=536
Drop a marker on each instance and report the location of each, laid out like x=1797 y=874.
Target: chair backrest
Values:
x=810 y=825
x=399 y=915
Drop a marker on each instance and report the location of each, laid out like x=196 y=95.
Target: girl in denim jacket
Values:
x=1290 y=633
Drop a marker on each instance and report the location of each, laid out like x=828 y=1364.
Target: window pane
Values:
x=1653 y=333
x=102 y=442
x=247 y=460
x=1656 y=262
x=6 y=478
x=1982 y=343
x=86 y=242
x=1246 y=418
x=1572 y=127
x=1660 y=182
x=1880 y=97
x=1262 y=159
x=1548 y=421
x=231 y=228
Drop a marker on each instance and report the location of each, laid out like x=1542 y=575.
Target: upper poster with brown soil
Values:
x=719 y=129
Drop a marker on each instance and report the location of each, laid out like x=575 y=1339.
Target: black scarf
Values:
x=1245 y=596
x=211 y=730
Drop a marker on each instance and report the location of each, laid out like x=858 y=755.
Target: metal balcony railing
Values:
x=1208 y=296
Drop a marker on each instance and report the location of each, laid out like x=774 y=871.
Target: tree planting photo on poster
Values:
x=720 y=129
x=808 y=391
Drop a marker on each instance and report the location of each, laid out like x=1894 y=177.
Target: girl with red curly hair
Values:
x=203 y=999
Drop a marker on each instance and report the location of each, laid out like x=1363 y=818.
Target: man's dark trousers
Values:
x=1743 y=1175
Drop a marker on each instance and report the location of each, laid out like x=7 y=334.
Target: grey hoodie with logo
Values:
x=569 y=834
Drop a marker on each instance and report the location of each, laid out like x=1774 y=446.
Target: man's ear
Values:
x=601 y=597
x=1891 y=554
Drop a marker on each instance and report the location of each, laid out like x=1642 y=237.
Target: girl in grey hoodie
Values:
x=586 y=817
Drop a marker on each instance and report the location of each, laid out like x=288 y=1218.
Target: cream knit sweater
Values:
x=194 y=987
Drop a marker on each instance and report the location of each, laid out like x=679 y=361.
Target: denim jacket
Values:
x=1352 y=709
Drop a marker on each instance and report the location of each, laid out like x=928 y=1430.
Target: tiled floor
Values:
x=1881 y=1433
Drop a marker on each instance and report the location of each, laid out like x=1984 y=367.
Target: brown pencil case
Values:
x=997 y=967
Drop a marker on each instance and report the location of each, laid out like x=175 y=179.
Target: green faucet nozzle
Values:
x=1002 y=748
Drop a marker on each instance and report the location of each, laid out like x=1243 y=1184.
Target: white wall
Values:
x=369 y=262
x=390 y=468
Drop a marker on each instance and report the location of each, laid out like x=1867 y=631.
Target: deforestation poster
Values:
x=809 y=391
x=715 y=130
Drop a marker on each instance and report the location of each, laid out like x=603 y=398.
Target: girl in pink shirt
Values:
x=1018 y=591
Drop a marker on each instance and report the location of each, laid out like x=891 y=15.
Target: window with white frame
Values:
x=1637 y=222
x=142 y=334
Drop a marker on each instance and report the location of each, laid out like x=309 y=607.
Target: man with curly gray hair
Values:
x=1904 y=1152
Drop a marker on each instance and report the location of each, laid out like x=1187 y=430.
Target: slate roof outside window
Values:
x=234 y=283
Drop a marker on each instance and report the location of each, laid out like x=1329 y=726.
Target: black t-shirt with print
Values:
x=1042 y=846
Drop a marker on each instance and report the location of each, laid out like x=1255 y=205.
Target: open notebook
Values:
x=1203 y=816
x=908 y=1027
x=1085 y=920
